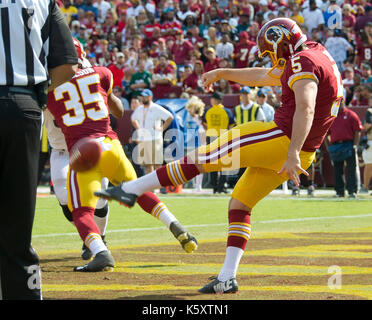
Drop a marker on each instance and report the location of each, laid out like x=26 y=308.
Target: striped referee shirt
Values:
x=34 y=37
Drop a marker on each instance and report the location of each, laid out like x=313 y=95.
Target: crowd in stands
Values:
x=166 y=45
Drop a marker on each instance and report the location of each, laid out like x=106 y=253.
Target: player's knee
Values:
x=67 y=213
x=102 y=212
x=235 y=204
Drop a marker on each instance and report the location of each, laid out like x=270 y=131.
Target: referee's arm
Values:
x=62 y=58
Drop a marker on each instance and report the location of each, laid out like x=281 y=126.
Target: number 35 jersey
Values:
x=79 y=106
x=317 y=64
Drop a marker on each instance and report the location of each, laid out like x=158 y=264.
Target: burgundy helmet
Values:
x=81 y=54
x=279 y=38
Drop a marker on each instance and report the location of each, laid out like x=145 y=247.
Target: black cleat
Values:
x=86 y=254
x=187 y=240
x=217 y=286
x=103 y=261
x=117 y=193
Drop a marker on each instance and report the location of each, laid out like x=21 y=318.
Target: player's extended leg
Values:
x=250 y=144
x=148 y=201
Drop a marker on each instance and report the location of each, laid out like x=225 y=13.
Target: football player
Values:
x=81 y=109
x=59 y=164
x=271 y=152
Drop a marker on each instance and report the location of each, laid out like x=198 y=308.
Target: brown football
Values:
x=85 y=154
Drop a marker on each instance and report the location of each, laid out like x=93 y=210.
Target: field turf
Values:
x=297 y=247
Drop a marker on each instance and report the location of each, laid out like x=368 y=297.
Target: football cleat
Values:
x=310 y=191
x=86 y=254
x=217 y=286
x=117 y=193
x=187 y=240
x=103 y=261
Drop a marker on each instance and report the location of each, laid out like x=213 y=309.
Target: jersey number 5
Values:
x=76 y=104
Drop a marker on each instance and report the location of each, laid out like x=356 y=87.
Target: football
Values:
x=85 y=154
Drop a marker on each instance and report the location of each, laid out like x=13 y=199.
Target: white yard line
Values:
x=50 y=235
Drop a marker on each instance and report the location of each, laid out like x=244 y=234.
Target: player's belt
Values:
x=342 y=141
x=5 y=90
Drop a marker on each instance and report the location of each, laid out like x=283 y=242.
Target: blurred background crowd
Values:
x=165 y=45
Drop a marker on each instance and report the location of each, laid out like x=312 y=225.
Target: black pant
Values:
x=351 y=184
x=20 y=121
x=218 y=179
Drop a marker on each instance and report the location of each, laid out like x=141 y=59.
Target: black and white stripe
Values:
x=24 y=38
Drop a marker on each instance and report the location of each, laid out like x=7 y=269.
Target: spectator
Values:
x=225 y=48
x=195 y=38
x=188 y=23
x=163 y=78
x=297 y=16
x=150 y=121
x=242 y=49
x=264 y=8
x=364 y=45
x=363 y=19
x=117 y=70
x=366 y=73
x=213 y=40
x=348 y=18
x=195 y=106
x=212 y=60
x=313 y=17
x=224 y=87
x=192 y=84
x=342 y=142
x=234 y=16
x=248 y=110
x=268 y=109
x=149 y=64
x=348 y=79
x=181 y=49
x=89 y=7
x=184 y=12
x=338 y=47
x=135 y=9
x=103 y=8
x=217 y=119
x=140 y=80
x=118 y=92
x=367 y=151
x=232 y=32
x=170 y=26
x=68 y=10
x=244 y=22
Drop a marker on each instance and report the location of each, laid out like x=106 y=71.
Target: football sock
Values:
x=198 y=182
x=172 y=174
x=101 y=218
x=84 y=221
x=238 y=234
x=151 y=204
x=94 y=242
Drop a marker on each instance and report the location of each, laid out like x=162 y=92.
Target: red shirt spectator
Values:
x=193 y=84
x=181 y=49
x=348 y=19
x=162 y=78
x=345 y=125
x=117 y=70
x=212 y=62
x=242 y=49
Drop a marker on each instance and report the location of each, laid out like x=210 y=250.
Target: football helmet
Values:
x=279 y=38
x=83 y=61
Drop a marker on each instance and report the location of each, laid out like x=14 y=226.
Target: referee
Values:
x=36 y=54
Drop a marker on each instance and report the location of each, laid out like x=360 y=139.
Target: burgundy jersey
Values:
x=364 y=52
x=243 y=49
x=79 y=106
x=317 y=64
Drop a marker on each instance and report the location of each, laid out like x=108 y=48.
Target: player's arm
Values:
x=305 y=91
x=246 y=76
x=115 y=106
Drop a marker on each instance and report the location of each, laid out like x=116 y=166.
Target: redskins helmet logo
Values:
x=274 y=35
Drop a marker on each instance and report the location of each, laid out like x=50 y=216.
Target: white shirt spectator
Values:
x=313 y=18
x=103 y=8
x=134 y=11
x=269 y=111
x=150 y=122
x=224 y=50
x=338 y=47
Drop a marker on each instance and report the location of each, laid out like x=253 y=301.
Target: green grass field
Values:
x=277 y=217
